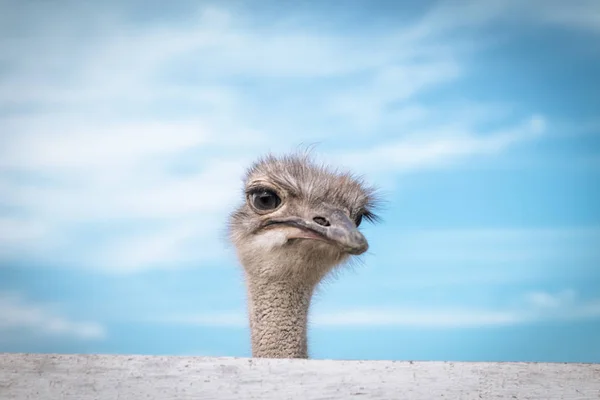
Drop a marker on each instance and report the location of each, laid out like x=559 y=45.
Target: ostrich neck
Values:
x=278 y=317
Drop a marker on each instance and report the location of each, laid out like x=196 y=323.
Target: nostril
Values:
x=321 y=221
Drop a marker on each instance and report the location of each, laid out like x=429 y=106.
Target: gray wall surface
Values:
x=86 y=377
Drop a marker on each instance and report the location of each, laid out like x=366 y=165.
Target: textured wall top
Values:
x=85 y=377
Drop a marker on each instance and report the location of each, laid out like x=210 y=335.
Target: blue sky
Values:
x=126 y=128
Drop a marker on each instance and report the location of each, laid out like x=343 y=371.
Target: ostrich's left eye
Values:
x=265 y=200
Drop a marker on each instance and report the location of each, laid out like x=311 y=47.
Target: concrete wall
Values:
x=86 y=377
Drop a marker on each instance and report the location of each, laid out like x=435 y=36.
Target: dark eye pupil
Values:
x=265 y=200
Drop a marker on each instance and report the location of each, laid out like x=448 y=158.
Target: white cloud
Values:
x=448 y=15
x=16 y=232
x=365 y=106
x=37 y=144
x=18 y=314
x=426 y=150
x=545 y=300
x=230 y=319
x=530 y=308
x=192 y=242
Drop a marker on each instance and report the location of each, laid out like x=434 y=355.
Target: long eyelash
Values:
x=371 y=217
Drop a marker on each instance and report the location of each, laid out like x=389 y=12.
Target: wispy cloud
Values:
x=529 y=308
x=20 y=316
x=535 y=307
x=430 y=150
x=229 y=319
x=448 y=16
x=17 y=234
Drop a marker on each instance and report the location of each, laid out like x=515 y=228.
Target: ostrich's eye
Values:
x=358 y=219
x=264 y=200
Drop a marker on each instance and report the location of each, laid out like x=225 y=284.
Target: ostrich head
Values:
x=299 y=220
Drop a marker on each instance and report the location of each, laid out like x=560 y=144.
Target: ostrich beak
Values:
x=330 y=225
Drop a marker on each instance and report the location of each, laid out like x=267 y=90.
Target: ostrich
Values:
x=298 y=222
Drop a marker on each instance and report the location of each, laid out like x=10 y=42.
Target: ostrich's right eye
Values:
x=265 y=200
x=358 y=220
